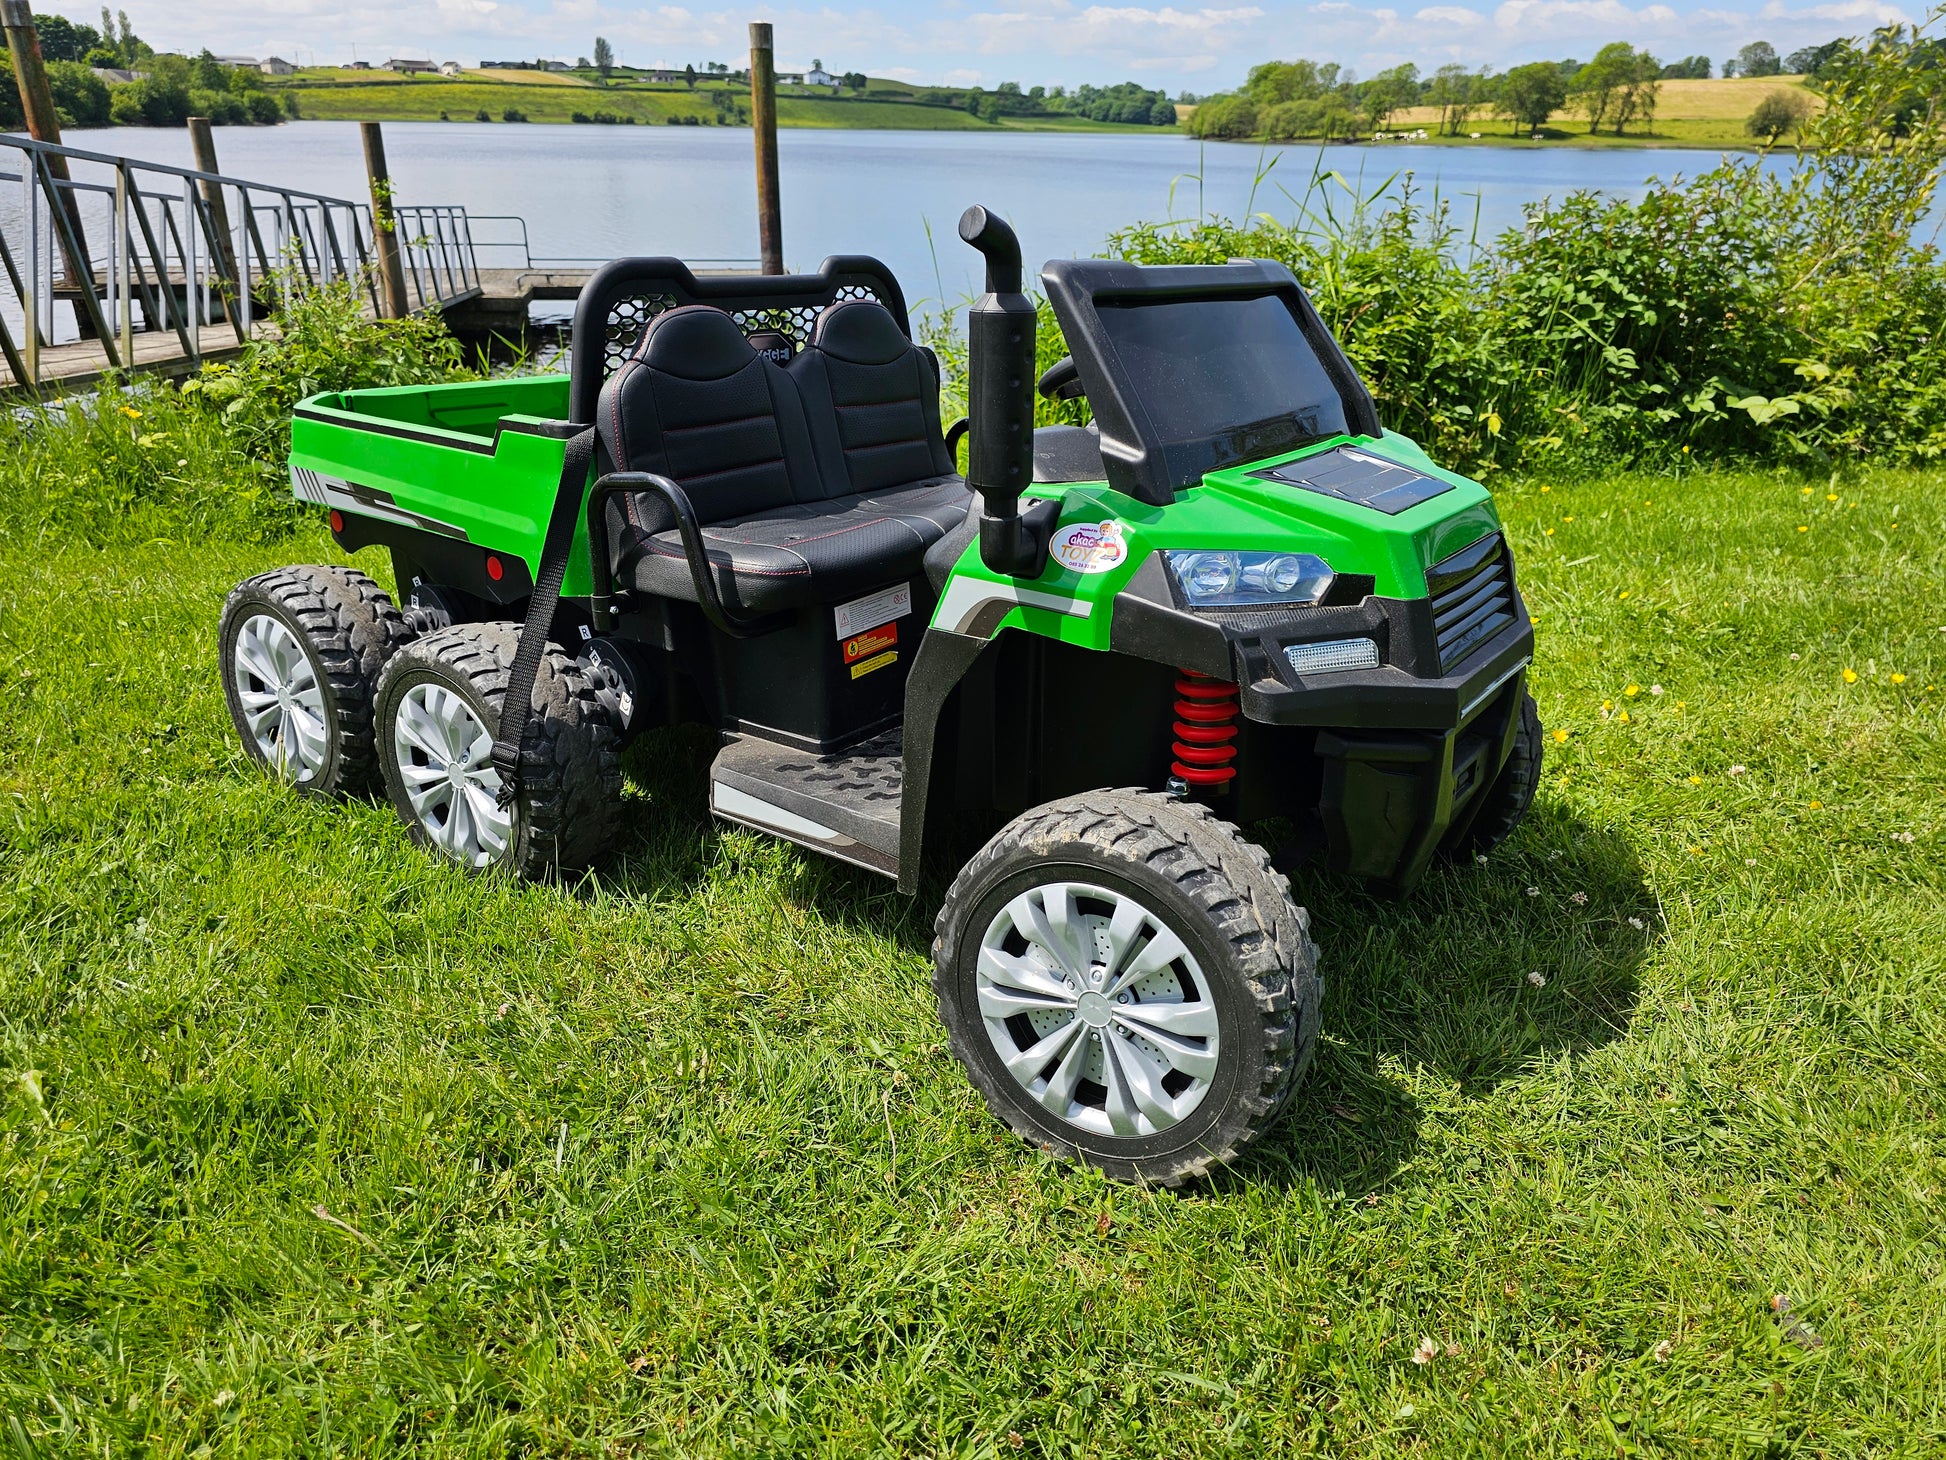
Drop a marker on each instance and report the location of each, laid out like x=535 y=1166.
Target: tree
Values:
x=1387 y=92
x=604 y=56
x=208 y=72
x=1597 y=85
x=79 y=94
x=1759 y=58
x=689 y=75
x=1639 y=91
x=1779 y=112
x=857 y=81
x=63 y=40
x=816 y=64
x=1811 y=60
x=1530 y=94
x=1689 y=68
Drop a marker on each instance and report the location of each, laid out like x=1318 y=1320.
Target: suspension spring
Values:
x=1206 y=731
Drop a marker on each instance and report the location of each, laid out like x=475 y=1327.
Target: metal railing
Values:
x=515 y=250
x=145 y=248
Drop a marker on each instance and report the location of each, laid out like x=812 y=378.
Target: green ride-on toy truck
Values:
x=1232 y=601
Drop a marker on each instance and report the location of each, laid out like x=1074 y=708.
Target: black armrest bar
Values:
x=737 y=626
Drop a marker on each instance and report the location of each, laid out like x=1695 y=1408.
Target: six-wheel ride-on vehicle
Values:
x=1233 y=600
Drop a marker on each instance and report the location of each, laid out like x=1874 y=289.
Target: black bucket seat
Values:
x=813 y=484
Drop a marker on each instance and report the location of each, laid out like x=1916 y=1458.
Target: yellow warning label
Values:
x=888 y=657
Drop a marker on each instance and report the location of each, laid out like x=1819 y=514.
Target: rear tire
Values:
x=1512 y=792
x=301 y=650
x=439 y=705
x=1128 y=982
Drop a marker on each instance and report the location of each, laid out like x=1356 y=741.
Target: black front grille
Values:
x=1472 y=599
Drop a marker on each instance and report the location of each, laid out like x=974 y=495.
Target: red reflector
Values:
x=494 y=570
x=337 y=520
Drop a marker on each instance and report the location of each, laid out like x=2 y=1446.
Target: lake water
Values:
x=597 y=192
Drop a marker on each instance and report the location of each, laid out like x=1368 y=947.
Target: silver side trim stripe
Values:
x=346 y=496
x=728 y=801
x=1491 y=690
x=966 y=597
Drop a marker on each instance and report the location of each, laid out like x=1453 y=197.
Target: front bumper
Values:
x=1406 y=754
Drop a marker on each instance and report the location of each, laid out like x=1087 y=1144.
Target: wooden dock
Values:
x=498 y=307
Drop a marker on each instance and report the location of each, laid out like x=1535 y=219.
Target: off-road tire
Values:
x=349 y=628
x=569 y=806
x=1219 y=894
x=1512 y=792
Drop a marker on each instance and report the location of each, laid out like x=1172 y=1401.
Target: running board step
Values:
x=846 y=805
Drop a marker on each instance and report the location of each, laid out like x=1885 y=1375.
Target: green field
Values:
x=309 y=1144
x=553 y=97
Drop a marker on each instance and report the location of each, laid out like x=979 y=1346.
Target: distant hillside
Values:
x=500 y=96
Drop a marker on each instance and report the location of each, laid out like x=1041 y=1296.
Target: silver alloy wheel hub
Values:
x=444 y=757
x=282 y=697
x=1097 y=1009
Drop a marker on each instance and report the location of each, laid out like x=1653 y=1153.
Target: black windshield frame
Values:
x=1143 y=459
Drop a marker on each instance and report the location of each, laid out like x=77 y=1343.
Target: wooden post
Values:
x=385 y=235
x=221 y=254
x=44 y=125
x=763 y=123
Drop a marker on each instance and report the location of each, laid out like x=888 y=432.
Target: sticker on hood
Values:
x=1089 y=547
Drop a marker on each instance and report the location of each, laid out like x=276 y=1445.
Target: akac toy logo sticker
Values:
x=1090 y=547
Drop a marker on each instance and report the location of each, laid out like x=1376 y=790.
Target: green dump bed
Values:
x=477 y=462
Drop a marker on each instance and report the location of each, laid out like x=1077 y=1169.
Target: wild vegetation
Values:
x=1740 y=316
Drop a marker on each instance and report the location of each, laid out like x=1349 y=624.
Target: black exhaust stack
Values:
x=1000 y=405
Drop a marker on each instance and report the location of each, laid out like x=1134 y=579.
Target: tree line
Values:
x=169 y=90
x=1617 y=89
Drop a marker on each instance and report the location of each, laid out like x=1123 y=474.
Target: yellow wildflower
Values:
x=1851 y=676
x=1624 y=717
x=1817 y=805
x=1898 y=679
x=1695 y=780
x=1624 y=593
x=1633 y=690
x=1561 y=736
x=1568 y=518
x=1830 y=496
x=131 y=413
x=1804 y=529
x=1548 y=533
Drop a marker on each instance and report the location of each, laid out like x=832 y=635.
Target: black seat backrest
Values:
x=694 y=402
x=871 y=398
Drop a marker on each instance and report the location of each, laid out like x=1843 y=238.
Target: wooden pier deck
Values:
x=497 y=307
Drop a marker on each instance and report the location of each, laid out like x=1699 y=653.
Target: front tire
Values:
x=1128 y=982
x=439 y=704
x=1511 y=795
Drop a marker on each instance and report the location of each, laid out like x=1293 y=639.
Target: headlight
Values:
x=1242 y=580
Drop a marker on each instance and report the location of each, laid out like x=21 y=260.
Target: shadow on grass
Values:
x=1437 y=984
x=1441 y=985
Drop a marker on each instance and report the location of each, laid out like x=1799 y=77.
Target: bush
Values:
x=1740 y=316
x=153 y=461
x=1778 y=113
x=81 y=96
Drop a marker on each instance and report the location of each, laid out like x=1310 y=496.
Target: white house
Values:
x=118 y=76
x=408 y=67
x=242 y=63
x=818 y=76
x=449 y=68
x=275 y=66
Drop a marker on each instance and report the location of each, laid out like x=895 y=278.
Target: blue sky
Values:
x=1202 y=47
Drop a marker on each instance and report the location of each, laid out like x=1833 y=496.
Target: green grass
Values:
x=309 y=1144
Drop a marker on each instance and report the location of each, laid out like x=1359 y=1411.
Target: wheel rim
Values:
x=282 y=697
x=1098 y=1010
x=444 y=756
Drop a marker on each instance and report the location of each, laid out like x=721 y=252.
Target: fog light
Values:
x=1332 y=655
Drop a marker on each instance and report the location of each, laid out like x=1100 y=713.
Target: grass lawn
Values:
x=1687 y=114
x=309 y=1144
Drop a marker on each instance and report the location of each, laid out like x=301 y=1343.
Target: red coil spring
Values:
x=1206 y=730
